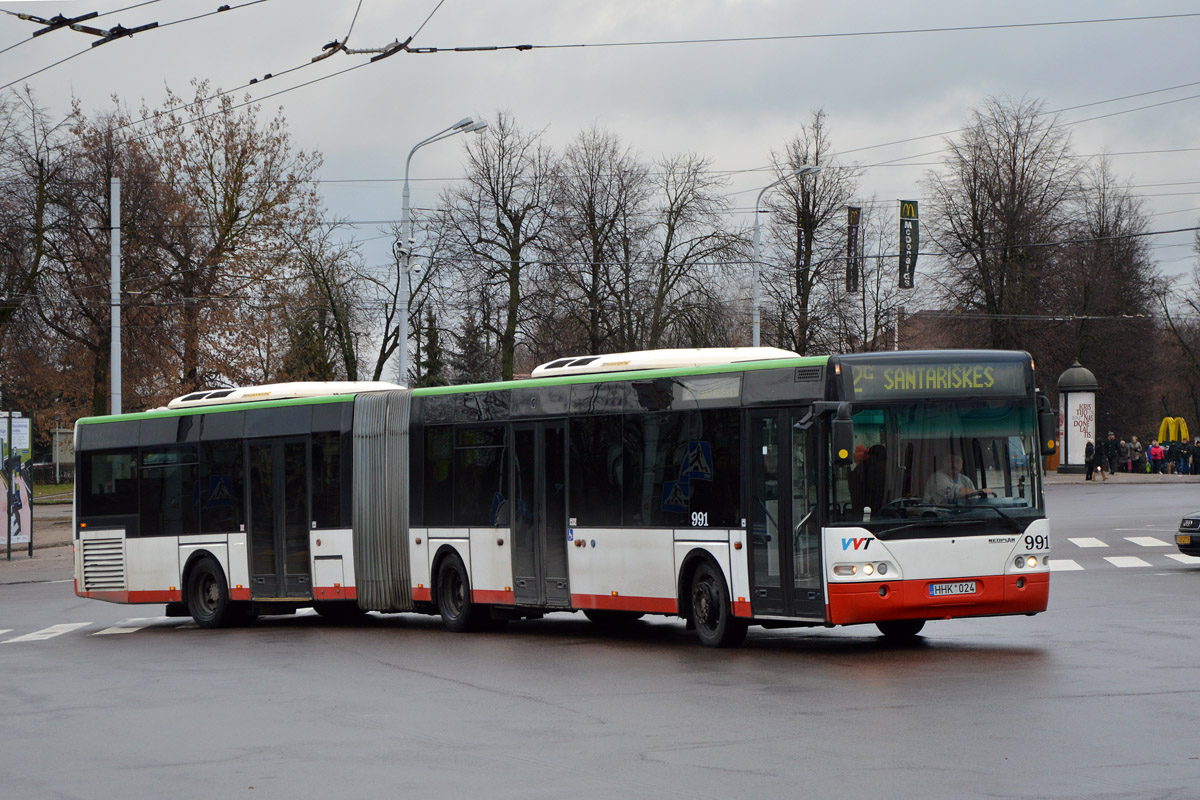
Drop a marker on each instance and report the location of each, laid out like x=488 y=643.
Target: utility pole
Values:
x=114 y=238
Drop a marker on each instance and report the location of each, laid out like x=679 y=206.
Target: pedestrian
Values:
x=1138 y=454
x=1123 y=462
x=1112 y=454
x=1171 y=456
x=1092 y=460
x=1157 y=455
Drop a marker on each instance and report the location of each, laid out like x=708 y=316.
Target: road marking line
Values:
x=1184 y=559
x=1126 y=561
x=129 y=625
x=49 y=633
x=1087 y=541
x=1148 y=541
x=1063 y=565
x=5 y=630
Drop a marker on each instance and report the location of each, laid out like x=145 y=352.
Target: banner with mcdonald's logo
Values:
x=910 y=238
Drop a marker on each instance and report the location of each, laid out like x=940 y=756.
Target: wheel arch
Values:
x=446 y=550
x=687 y=569
x=194 y=558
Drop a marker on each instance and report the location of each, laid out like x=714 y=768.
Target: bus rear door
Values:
x=539 y=522
x=278 y=486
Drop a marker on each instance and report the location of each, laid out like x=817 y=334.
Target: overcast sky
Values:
x=732 y=101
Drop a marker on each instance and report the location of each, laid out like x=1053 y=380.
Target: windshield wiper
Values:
x=1016 y=526
x=930 y=522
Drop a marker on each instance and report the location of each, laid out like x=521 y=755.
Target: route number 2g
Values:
x=699 y=519
x=1038 y=542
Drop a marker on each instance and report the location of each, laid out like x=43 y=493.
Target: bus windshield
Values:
x=931 y=464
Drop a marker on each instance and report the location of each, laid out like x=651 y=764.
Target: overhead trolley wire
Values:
x=803 y=36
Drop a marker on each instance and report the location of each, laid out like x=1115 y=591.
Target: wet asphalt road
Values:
x=1095 y=698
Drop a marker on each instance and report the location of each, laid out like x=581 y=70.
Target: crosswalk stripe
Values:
x=1147 y=541
x=127 y=626
x=1184 y=559
x=1087 y=541
x=49 y=633
x=5 y=630
x=1063 y=565
x=1126 y=561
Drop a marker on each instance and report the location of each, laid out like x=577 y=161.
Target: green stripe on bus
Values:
x=561 y=380
x=216 y=409
x=632 y=375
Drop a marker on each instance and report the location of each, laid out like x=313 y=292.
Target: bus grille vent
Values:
x=103 y=564
x=809 y=374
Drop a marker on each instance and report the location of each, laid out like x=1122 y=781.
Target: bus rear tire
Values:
x=900 y=629
x=207 y=595
x=711 y=611
x=459 y=614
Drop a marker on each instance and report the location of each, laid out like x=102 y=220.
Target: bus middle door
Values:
x=539 y=521
x=279 y=522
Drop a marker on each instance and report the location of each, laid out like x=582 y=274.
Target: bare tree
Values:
x=240 y=185
x=806 y=239
x=495 y=222
x=688 y=240
x=602 y=187
x=1008 y=184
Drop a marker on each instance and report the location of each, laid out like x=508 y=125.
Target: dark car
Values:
x=1187 y=539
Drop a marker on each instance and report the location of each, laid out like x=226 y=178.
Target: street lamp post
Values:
x=800 y=172
x=404 y=247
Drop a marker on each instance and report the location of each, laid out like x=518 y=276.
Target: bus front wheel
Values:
x=711 y=611
x=900 y=629
x=208 y=595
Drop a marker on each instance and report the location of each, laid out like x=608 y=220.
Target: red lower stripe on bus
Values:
x=165 y=596
x=851 y=603
x=423 y=595
x=648 y=605
x=335 y=593
x=741 y=608
x=492 y=597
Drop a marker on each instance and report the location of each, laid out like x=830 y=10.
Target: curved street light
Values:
x=404 y=247
x=799 y=172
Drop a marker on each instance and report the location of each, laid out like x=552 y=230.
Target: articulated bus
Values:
x=729 y=487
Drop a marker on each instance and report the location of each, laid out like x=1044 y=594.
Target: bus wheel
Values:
x=208 y=595
x=454 y=597
x=711 y=611
x=898 y=629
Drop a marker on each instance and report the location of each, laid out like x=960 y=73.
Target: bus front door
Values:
x=539 y=515
x=785 y=551
x=278 y=503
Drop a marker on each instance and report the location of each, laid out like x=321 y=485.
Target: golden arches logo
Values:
x=908 y=210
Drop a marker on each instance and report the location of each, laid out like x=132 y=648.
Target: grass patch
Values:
x=53 y=492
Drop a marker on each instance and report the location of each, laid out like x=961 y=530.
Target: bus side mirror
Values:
x=1047 y=426
x=841 y=432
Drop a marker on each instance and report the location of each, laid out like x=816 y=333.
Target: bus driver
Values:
x=948 y=484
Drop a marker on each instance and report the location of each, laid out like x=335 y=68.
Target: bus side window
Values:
x=439 y=476
x=596 y=471
x=109 y=484
x=221 y=487
x=326 y=480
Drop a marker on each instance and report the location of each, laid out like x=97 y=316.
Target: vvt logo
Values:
x=857 y=544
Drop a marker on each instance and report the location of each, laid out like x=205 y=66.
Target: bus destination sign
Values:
x=878 y=382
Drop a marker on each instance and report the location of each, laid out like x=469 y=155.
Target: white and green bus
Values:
x=729 y=487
